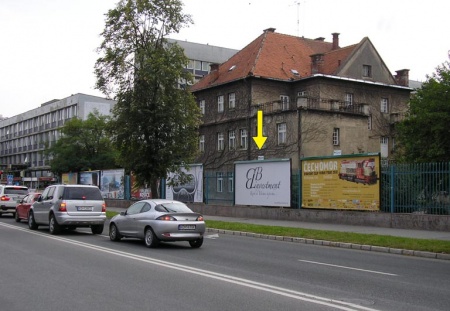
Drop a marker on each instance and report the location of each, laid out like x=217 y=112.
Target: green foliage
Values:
x=83 y=145
x=154 y=122
x=425 y=135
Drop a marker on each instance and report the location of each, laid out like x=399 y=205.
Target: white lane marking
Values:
x=212 y=236
x=332 y=303
x=345 y=267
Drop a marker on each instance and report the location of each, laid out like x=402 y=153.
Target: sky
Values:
x=48 y=47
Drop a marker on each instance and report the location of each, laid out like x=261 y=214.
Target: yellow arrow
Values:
x=260 y=139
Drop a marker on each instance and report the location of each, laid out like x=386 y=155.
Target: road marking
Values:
x=345 y=267
x=332 y=303
x=212 y=236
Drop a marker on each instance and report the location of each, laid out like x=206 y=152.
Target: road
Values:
x=80 y=271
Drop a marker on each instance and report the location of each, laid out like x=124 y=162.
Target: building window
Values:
x=369 y=122
x=232 y=140
x=384 y=105
x=284 y=102
x=205 y=66
x=220 y=144
x=232 y=100
x=198 y=65
x=190 y=64
x=335 y=137
x=201 y=145
x=243 y=134
x=220 y=103
x=384 y=147
x=202 y=106
x=367 y=71
x=219 y=176
x=281 y=128
x=230 y=182
x=348 y=99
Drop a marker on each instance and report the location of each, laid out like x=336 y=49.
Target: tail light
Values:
x=104 y=208
x=5 y=198
x=200 y=218
x=166 y=218
x=62 y=207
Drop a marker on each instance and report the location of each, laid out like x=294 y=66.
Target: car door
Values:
x=41 y=208
x=127 y=225
x=21 y=208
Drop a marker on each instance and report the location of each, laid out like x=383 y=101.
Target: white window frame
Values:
x=348 y=99
x=205 y=66
x=230 y=182
x=281 y=130
x=243 y=135
x=202 y=106
x=197 y=65
x=232 y=100
x=336 y=138
x=220 y=142
x=284 y=102
x=220 y=101
x=232 y=139
x=219 y=177
x=201 y=143
x=384 y=105
x=367 y=71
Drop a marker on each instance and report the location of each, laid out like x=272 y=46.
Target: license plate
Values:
x=186 y=227
x=84 y=208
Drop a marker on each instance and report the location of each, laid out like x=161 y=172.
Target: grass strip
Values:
x=427 y=245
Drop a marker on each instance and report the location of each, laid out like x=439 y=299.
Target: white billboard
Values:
x=191 y=191
x=263 y=183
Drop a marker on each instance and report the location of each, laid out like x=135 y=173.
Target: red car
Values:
x=23 y=207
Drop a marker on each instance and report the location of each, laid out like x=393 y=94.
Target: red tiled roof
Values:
x=274 y=56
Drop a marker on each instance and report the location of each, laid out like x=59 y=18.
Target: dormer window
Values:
x=367 y=71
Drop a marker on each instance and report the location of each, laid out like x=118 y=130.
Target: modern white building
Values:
x=24 y=136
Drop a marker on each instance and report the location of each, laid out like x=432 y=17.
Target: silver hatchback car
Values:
x=68 y=207
x=158 y=220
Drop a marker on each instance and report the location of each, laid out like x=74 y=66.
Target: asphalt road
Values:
x=79 y=271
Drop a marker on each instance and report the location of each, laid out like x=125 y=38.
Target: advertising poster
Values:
x=350 y=182
x=69 y=178
x=263 y=183
x=112 y=184
x=90 y=178
x=191 y=191
x=139 y=192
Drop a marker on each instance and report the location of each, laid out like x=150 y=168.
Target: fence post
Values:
x=299 y=194
x=206 y=188
x=392 y=183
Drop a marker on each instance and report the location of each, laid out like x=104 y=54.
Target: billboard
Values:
x=188 y=192
x=263 y=183
x=69 y=178
x=90 y=178
x=112 y=184
x=350 y=182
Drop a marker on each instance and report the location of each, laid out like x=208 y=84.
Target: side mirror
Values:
x=123 y=213
x=39 y=199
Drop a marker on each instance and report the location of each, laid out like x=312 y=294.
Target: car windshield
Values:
x=21 y=191
x=173 y=208
x=82 y=193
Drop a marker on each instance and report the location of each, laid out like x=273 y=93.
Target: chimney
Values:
x=335 y=40
x=402 y=77
x=269 y=30
x=316 y=63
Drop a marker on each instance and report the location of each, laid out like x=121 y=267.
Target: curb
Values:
x=372 y=248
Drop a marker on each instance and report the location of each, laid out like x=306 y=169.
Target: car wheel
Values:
x=150 y=238
x=196 y=243
x=114 y=234
x=97 y=229
x=53 y=225
x=16 y=217
x=31 y=222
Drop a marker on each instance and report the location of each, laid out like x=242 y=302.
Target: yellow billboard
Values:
x=349 y=182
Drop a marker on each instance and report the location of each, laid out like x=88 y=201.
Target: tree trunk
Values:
x=154 y=189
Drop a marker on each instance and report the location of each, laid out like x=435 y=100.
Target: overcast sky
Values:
x=48 y=46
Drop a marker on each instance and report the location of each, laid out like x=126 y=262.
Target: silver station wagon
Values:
x=157 y=220
x=69 y=207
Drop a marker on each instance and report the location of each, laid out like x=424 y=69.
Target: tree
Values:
x=83 y=145
x=155 y=122
x=424 y=136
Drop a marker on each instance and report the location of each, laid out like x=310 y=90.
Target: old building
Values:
x=316 y=99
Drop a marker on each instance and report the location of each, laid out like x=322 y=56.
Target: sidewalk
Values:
x=408 y=233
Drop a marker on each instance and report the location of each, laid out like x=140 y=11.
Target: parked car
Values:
x=69 y=207
x=156 y=220
x=23 y=206
x=9 y=195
